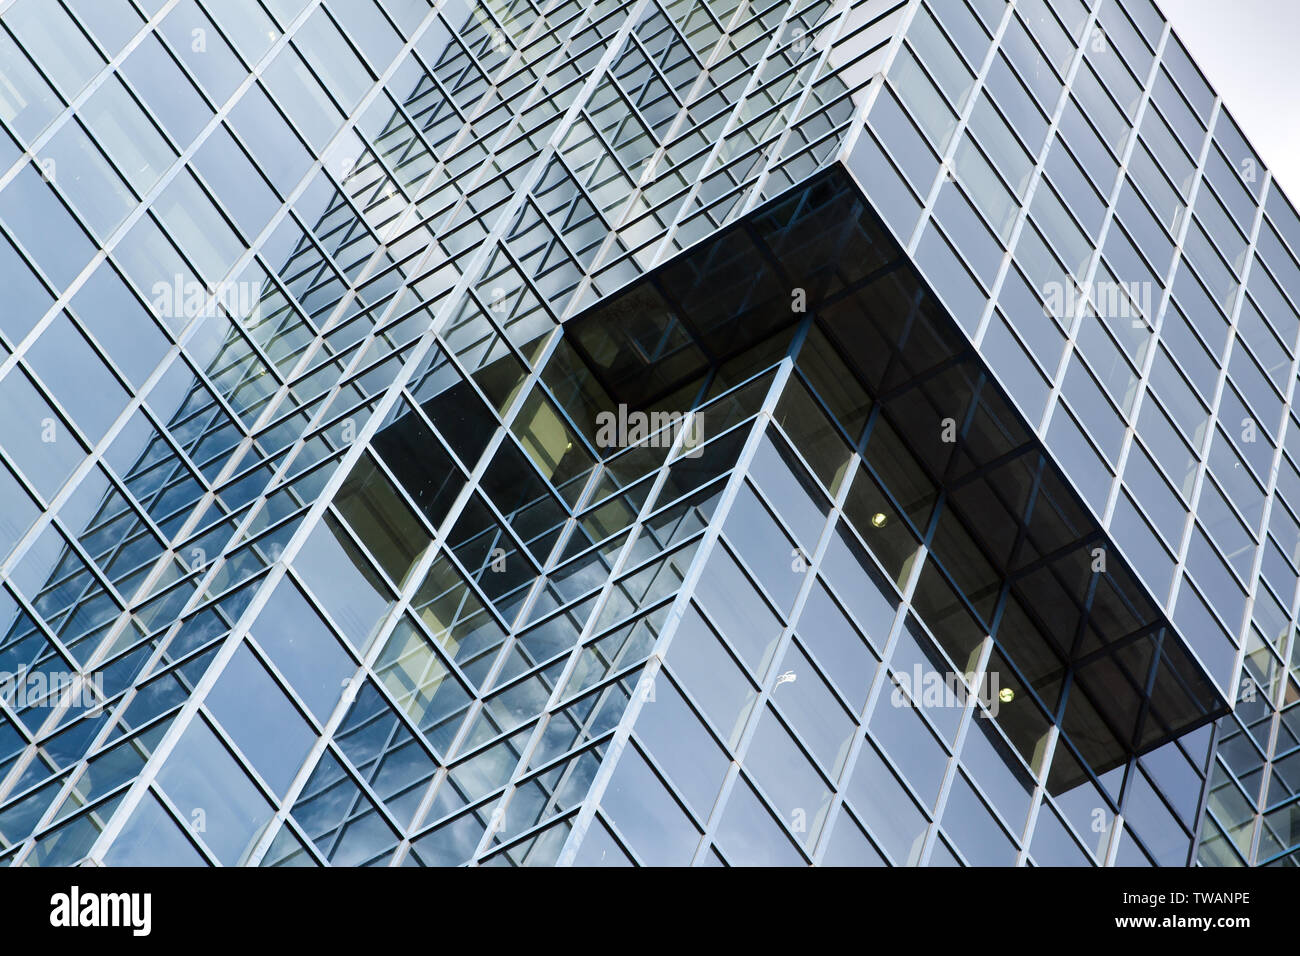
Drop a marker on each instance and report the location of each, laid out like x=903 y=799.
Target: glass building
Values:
x=669 y=432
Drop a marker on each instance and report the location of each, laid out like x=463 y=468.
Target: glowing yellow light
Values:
x=878 y=520
x=1006 y=695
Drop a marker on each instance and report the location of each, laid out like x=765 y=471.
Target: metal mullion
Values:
x=87 y=566
x=228 y=648
x=1176 y=138
x=663 y=778
x=1159 y=168
x=656 y=70
x=33 y=741
x=52 y=181
x=70 y=105
x=305 y=843
x=1271 y=494
x=1040 y=776
x=1188 y=262
x=666 y=241
x=1037 y=172
x=303 y=268
x=398 y=141
x=387 y=750
x=556 y=237
x=755 y=715
x=446 y=659
x=882 y=676
x=98 y=526
x=953 y=764
x=822 y=773
x=169 y=809
x=1202 y=467
x=98 y=745
x=213 y=407
x=50 y=824
x=1153 y=322
x=1215 y=194
x=530 y=834
x=426 y=101
x=248 y=374
x=365 y=794
x=327 y=271
x=576 y=751
x=327 y=732
x=1019 y=836
x=861 y=738
x=480 y=808
x=680 y=602
x=947 y=154
x=95 y=575
x=86 y=32
x=438 y=546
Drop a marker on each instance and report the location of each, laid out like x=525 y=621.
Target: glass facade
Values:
x=664 y=432
x=1068 y=162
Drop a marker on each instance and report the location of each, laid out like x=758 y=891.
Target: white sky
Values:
x=1249 y=51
